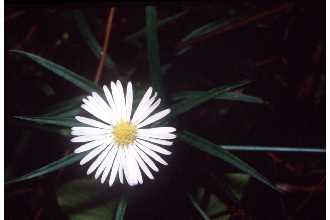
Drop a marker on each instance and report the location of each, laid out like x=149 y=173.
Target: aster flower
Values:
x=122 y=145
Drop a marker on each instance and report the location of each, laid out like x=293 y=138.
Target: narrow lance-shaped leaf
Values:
x=90 y=38
x=61 y=71
x=209 y=27
x=201 y=32
x=153 y=50
x=121 y=208
x=188 y=104
x=213 y=149
x=162 y=22
x=64 y=108
x=273 y=149
x=58 y=164
x=51 y=120
x=198 y=208
x=231 y=96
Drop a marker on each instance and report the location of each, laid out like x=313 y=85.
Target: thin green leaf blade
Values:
x=49 y=168
x=230 y=96
x=90 y=38
x=213 y=149
x=198 y=208
x=162 y=22
x=51 y=120
x=155 y=71
x=189 y=104
x=121 y=208
x=64 y=108
x=74 y=78
x=249 y=148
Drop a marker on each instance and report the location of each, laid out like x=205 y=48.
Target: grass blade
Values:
x=198 y=208
x=213 y=149
x=64 y=107
x=90 y=38
x=231 y=96
x=54 y=120
x=155 y=70
x=58 y=164
x=209 y=27
x=188 y=104
x=121 y=208
x=273 y=149
x=61 y=71
x=162 y=22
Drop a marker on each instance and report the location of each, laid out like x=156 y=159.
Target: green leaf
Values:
x=66 y=108
x=58 y=164
x=202 y=31
x=213 y=206
x=231 y=96
x=61 y=71
x=52 y=120
x=198 y=208
x=213 y=149
x=155 y=71
x=162 y=22
x=90 y=38
x=121 y=208
x=237 y=182
x=209 y=27
x=273 y=149
x=84 y=199
x=188 y=104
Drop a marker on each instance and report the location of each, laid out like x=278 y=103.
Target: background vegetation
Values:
x=248 y=76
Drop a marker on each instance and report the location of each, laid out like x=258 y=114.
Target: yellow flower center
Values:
x=124 y=133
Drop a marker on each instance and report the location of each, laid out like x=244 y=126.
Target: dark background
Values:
x=283 y=52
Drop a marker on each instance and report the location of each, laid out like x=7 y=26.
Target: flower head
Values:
x=122 y=145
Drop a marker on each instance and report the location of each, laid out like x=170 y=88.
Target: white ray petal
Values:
x=87 y=138
x=94 y=153
x=108 y=160
x=154 y=118
x=144 y=99
x=159 y=132
x=99 y=160
x=129 y=173
x=157 y=141
x=122 y=99
x=135 y=167
x=89 y=131
x=90 y=109
x=92 y=122
x=111 y=102
x=125 y=169
x=146 y=159
x=90 y=145
x=106 y=109
x=121 y=170
x=144 y=109
x=151 y=153
x=149 y=111
x=109 y=166
x=129 y=100
x=99 y=111
x=154 y=147
x=115 y=167
x=118 y=98
x=140 y=162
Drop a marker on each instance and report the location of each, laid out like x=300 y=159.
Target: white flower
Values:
x=120 y=143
